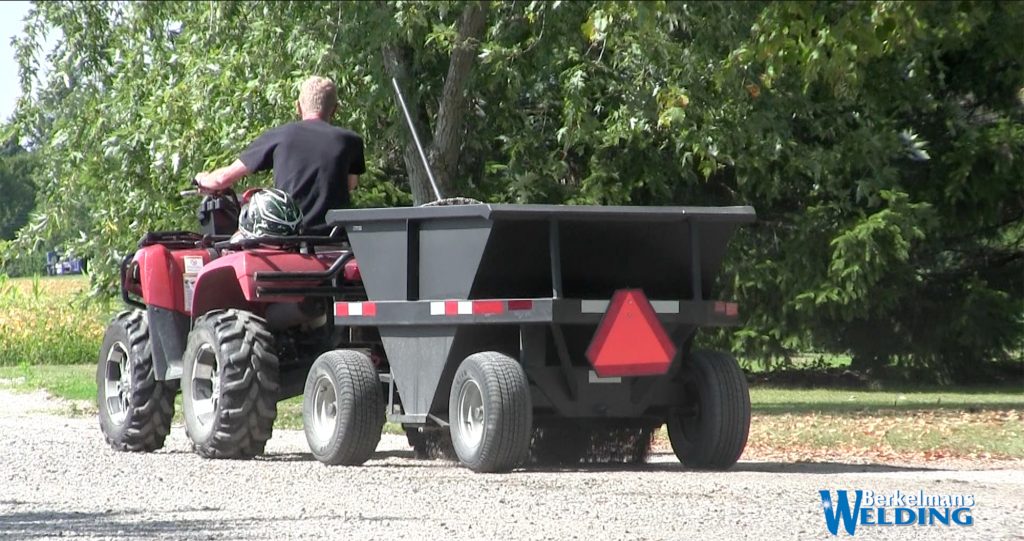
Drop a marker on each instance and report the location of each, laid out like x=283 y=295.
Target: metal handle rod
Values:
x=416 y=138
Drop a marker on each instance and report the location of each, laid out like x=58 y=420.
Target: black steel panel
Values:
x=417 y=356
x=449 y=252
x=602 y=249
x=738 y=214
x=516 y=263
x=381 y=249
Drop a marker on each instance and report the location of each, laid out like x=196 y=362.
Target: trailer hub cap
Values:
x=205 y=384
x=471 y=414
x=117 y=386
x=325 y=409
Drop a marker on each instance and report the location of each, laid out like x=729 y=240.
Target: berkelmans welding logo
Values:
x=897 y=509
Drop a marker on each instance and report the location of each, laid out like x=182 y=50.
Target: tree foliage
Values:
x=880 y=142
x=18 y=189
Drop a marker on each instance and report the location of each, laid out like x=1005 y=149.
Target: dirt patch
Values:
x=39 y=402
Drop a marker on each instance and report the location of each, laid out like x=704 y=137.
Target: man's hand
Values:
x=201 y=181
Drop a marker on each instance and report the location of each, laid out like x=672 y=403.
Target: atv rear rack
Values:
x=277 y=240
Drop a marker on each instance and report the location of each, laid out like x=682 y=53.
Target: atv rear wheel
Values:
x=230 y=385
x=710 y=431
x=135 y=409
x=490 y=413
x=342 y=408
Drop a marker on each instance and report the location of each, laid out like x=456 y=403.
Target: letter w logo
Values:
x=839 y=511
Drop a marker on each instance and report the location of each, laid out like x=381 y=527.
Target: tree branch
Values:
x=396 y=64
x=451 y=112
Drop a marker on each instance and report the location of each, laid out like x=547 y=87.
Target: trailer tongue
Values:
x=499 y=318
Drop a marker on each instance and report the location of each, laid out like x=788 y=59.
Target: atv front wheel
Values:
x=230 y=385
x=135 y=409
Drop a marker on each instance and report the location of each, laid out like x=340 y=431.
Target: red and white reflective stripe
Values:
x=475 y=308
x=730 y=309
x=351 y=309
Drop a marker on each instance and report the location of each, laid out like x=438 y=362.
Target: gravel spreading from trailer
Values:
x=59 y=479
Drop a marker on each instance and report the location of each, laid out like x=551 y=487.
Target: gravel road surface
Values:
x=59 y=479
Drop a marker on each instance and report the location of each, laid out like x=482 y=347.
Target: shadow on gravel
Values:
x=128 y=525
x=824 y=468
x=120 y=525
x=286 y=457
x=410 y=455
x=308 y=457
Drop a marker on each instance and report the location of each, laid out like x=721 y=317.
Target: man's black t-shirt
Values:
x=311 y=160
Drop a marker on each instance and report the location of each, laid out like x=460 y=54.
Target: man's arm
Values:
x=357 y=166
x=223 y=178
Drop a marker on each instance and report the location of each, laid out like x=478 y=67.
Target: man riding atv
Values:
x=316 y=163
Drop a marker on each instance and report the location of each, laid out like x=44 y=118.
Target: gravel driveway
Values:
x=58 y=479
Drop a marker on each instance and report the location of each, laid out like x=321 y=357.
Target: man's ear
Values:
x=333 y=112
x=298 y=108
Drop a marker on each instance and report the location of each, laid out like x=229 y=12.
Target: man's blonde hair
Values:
x=318 y=95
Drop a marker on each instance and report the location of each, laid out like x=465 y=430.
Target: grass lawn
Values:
x=815 y=424
x=769 y=401
x=788 y=424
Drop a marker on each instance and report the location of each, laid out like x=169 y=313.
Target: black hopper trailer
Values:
x=496 y=319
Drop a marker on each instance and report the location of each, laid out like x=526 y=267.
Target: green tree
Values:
x=18 y=187
x=880 y=142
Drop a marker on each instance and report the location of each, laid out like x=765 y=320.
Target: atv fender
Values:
x=230 y=281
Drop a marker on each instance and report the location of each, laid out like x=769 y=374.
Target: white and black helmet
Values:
x=269 y=212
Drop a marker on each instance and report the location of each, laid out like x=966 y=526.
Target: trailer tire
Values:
x=711 y=431
x=490 y=413
x=230 y=385
x=135 y=409
x=342 y=408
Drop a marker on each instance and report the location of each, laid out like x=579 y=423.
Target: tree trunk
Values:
x=443 y=143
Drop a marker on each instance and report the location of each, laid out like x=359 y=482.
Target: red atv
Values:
x=235 y=324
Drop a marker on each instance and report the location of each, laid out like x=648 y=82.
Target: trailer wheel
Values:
x=230 y=385
x=135 y=409
x=490 y=413
x=710 y=431
x=342 y=408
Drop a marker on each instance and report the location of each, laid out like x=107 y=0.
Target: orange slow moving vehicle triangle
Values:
x=630 y=341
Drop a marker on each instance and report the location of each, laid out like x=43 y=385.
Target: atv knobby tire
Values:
x=710 y=431
x=135 y=409
x=342 y=408
x=230 y=384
